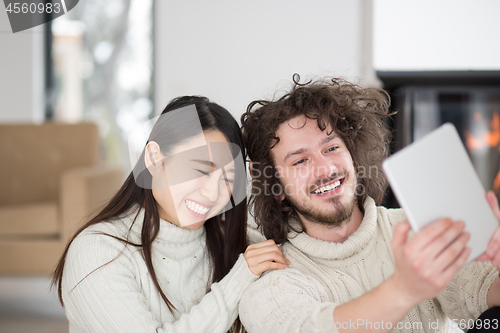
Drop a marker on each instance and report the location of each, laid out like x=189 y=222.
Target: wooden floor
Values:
x=27 y=305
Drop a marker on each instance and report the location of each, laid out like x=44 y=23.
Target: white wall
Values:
x=21 y=73
x=234 y=52
x=436 y=35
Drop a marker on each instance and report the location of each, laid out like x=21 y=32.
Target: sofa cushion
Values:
x=29 y=220
x=35 y=156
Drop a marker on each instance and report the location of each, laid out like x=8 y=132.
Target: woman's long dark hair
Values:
x=225 y=238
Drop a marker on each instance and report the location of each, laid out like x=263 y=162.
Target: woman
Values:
x=160 y=257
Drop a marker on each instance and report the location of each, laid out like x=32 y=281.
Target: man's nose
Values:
x=323 y=167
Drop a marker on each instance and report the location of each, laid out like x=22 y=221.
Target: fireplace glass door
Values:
x=474 y=111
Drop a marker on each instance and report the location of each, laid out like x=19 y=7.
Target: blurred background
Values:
x=72 y=90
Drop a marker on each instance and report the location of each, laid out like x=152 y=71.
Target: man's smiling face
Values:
x=316 y=170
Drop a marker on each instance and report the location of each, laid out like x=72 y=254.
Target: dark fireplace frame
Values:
x=402 y=124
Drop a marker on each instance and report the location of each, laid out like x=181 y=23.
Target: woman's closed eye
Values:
x=223 y=179
x=228 y=180
x=203 y=172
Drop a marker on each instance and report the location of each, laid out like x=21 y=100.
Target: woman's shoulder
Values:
x=125 y=226
x=103 y=241
x=115 y=227
x=101 y=246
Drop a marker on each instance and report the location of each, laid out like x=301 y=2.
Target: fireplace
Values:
x=469 y=100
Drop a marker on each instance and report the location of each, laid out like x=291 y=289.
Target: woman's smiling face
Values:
x=196 y=182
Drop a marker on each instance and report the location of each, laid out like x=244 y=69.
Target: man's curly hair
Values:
x=357 y=115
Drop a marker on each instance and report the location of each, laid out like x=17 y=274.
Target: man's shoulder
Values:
x=291 y=280
x=302 y=267
x=390 y=215
x=278 y=297
x=291 y=251
x=298 y=270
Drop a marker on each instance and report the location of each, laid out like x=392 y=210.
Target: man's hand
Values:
x=424 y=265
x=427 y=263
x=492 y=253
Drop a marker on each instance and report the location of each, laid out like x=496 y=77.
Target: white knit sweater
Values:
x=107 y=288
x=322 y=275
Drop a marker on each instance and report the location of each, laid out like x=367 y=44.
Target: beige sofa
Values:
x=51 y=181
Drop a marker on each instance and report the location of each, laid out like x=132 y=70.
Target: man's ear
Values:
x=280 y=197
x=152 y=156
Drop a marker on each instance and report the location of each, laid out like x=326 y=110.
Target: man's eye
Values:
x=299 y=162
x=332 y=149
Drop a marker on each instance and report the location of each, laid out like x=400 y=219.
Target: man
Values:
x=317 y=180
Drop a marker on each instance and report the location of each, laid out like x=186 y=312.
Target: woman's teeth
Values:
x=327 y=188
x=202 y=210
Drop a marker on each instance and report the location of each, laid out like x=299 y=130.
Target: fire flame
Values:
x=487 y=139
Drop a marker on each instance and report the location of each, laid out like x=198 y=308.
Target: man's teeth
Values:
x=327 y=188
x=196 y=207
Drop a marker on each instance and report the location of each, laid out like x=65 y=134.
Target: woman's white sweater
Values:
x=106 y=286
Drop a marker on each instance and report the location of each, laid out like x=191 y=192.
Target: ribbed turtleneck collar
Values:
x=169 y=233
x=328 y=250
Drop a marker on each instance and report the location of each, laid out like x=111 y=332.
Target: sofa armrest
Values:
x=83 y=192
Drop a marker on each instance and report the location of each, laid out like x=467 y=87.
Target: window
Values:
x=102 y=60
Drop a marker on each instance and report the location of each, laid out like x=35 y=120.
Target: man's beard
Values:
x=330 y=219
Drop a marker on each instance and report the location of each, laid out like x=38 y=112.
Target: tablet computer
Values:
x=434 y=178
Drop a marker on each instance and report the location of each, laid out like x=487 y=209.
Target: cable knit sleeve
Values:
x=465 y=295
x=102 y=292
x=286 y=301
